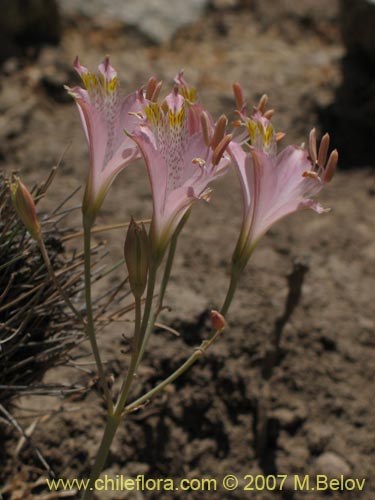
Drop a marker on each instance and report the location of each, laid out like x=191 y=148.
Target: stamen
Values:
x=312 y=146
x=219 y=131
x=269 y=114
x=331 y=166
x=156 y=93
x=262 y=104
x=205 y=128
x=206 y=195
x=279 y=136
x=238 y=95
x=323 y=151
x=311 y=174
x=150 y=88
x=199 y=161
x=220 y=149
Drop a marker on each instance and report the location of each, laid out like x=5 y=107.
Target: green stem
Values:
x=54 y=279
x=148 y=315
x=189 y=362
x=170 y=259
x=235 y=274
x=234 y=277
x=167 y=270
x=89 y=311
x=113 y=422
x=133 y=361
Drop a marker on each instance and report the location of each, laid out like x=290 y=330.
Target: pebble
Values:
x=158 y=20
x=332 y=465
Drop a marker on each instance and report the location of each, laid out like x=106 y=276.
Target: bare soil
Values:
x=319 y=398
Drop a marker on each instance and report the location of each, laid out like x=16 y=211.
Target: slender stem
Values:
x=54 y=279
x=133 y=361
x=234 y=277
x=189 y=362
x=170 y=259
x=89 y=312
x=113 y=422
x=101 y=229
x=167 y=270
x=235 y=274
x=148 y=314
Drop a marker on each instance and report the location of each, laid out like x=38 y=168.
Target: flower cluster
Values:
x=185 y=150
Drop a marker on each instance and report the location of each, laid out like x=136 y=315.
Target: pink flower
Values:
x=183 y=152
x=105 y=114
x=273 y=184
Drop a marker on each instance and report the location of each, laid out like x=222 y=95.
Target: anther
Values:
x=205 y=128
x=219 y=131
x=312 y=146
x=262 y=104
x=311 y=175
x=330 y=169
x=150 y=88
x=220 y=149
x=269 y=114
x=238 y=96
x=323 y=150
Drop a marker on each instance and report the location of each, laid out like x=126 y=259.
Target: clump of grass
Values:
x=37 y=330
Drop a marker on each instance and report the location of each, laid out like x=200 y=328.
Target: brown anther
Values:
x=312 y=146
x=311 y=174
x=269 y=114
x=217 y=320
x=150 y=88
x=219 y=131
x=156 y=92
x=323 y=150
x=205 y=128
x=220 y=149
x=164 y=106
x=238 y=95
x=279 y=136
x=237 y=123
x=262 y=104
x=330 y=169
x=198 y=161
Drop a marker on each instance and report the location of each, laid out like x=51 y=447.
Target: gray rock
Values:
x=332 y=465
x=158 y=20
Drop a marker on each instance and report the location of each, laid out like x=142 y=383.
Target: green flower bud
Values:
x=136 y=253
x=25 y=206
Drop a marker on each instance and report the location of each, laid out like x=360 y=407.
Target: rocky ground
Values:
x=318 y=401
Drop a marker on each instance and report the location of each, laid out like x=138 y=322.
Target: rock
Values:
x=24 y=23
x=318 y=436
x=156 y=19
x=332 y=465
x=351 y=116
x=355 y=13
x=292 y=416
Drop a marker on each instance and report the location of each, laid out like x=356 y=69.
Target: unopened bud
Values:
x=25 y=206
x=136 y=253
x=217 y=320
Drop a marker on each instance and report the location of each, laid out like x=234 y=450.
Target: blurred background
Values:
x=310 y=56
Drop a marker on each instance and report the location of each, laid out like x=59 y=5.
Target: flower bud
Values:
x=217 y=320
x=136 y=253
x=25 y=206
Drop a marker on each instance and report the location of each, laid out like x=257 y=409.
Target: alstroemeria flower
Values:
x=273 y=184
x=105 y=114
x=183 y=155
